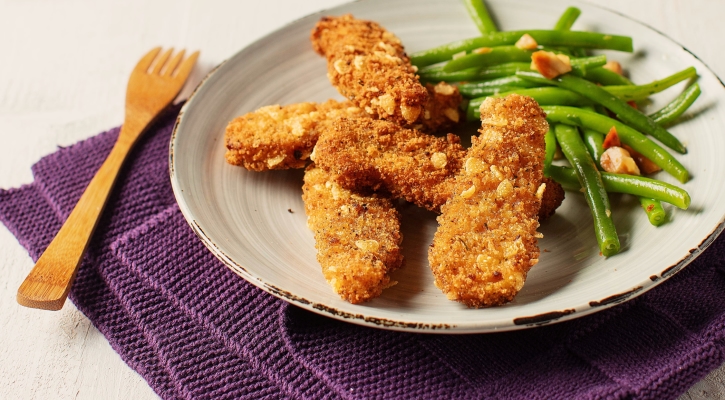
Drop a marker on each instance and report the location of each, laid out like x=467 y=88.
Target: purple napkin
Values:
x=193 y=329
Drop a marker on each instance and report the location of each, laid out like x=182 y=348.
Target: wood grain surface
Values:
x=63 y=78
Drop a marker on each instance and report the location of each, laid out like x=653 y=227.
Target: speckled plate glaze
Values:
x=256 y=225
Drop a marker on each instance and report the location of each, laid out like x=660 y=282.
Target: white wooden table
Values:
x=63 y=72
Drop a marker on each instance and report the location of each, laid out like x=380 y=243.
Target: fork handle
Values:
x=48 y=283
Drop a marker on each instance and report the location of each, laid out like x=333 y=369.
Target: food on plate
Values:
x=368 y=65
x=357 y=236
x=577 y=89
x=441 y=112
x=486 y=241
x=551 y=200
x=281 y=137
x=381 y=155
x=420 y=168
x=378 y=145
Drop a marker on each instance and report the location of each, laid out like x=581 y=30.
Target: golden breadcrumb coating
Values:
x=442 y=110
x=357 y=237
x=277 y=137
x=368 y=65
x=551 y=200
x=486 y=240
x=373 y=154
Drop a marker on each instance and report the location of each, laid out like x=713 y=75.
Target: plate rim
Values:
x=554 y=316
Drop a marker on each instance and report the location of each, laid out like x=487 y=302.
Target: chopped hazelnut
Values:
x=483 y=50
x=275 y=160
x=614 y=66
x=468 y=193
x=452 y=114
x=444 y=89
x=526 y=42
x=387 y=103
x=410 y=113
x=504 y=189
x=618 y=160
x=439 y=160
x=474 y=165
x=368 y=245
x=341 y=67
x=358 y=62
x=549 y=64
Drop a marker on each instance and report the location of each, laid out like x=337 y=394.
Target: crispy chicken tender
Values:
x=368 y=65
x=442 y=111
x=357 y=236
x=411 y=165
x=380 y=155
x=277 y=137
x=486 y=240
x=551 y=200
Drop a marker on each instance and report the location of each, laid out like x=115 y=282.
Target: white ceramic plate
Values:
x=255 y=222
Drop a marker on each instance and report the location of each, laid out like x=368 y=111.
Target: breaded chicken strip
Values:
x=282 y=137
x=276 y=137
x=368 y=65
x=551 y=200
x=441 y=112
x=357 y=236
x=486 y=240
x=411 y=165
x=374 y=154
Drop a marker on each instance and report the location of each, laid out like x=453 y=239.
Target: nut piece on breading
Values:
x=373 y=154
x=367 y=64
x=357 y=236
x=442 y=111
x=281 y=137
x=552 y=198
x=486 y=240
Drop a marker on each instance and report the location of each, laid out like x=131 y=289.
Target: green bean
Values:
x=641 y=92
x=483 y=88
x=605 y=77
x=654 y=210
x=589 y=40
x=594 y=141
x=491 y=91
x=624 y=111
x=582 y=65
x=542 y=95
x=677 y=107
x=567 y=19
x=630 y=184
x=480 y=16
x=550 y=141
x=494 y=55
x=565 y=23
x=436 y=73
x=596 y=196
x=627 y=135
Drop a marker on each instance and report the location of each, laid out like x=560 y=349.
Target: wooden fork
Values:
x=154 y=84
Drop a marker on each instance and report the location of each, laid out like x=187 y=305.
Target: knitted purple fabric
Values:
x=193 y=329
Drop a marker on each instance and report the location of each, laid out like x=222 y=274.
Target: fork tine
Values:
x=171 y=66
x=161 y=60
x=145 y=62
x=186 y=66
